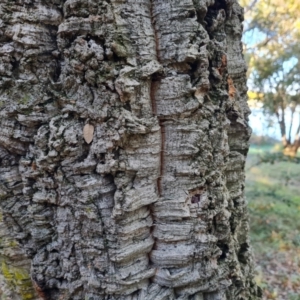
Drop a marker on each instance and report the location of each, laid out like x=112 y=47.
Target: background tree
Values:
x=123 y=142
x=272 y=40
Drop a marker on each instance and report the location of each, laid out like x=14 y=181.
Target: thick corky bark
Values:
x=123 y=142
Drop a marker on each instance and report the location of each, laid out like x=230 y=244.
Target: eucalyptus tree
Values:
x=272 y=40
x=124 y=133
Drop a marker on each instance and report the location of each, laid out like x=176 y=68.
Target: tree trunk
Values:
x=124 y=134
x=291 y=149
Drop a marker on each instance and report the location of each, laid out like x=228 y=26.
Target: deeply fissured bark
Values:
x=123 y=140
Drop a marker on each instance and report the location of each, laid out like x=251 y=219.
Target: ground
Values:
x=273 y=193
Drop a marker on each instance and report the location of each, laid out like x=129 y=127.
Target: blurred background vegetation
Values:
x=272 y=49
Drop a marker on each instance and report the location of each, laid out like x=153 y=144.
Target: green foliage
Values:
x=273 y=193
x=275 y=157
x=272 y=39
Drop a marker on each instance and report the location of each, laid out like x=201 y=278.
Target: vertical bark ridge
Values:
x=238 y=136
x=192 y=104
x=186 y=259
x=29 y=59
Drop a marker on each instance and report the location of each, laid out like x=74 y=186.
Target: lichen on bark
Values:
x=123 y=144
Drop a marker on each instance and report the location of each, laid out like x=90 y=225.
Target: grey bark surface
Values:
x=124 y=133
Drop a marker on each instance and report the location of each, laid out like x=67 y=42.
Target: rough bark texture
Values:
x=123 y=141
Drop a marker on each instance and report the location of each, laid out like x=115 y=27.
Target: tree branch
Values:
x=291 y=125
